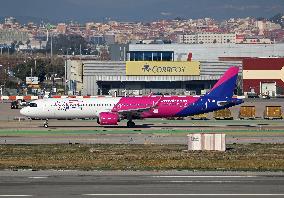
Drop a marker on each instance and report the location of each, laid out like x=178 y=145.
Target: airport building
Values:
x=213 y=52
x=163 y=69
x=145 y=77
x=263 y=76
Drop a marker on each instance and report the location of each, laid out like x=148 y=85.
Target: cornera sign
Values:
x=162 y=68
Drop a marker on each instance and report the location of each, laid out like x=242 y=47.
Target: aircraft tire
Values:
x=130 y=124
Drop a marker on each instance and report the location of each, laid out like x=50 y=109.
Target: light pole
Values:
x=65 y=70
x=1 y=86
x=51 y=51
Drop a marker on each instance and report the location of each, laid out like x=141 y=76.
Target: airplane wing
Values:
x=133 y=113
x=136 y=112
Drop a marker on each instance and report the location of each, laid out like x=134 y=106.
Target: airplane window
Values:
x=33 y=105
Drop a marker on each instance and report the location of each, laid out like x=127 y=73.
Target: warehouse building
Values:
x=213 y=52
x=145 y=77
x=263 y=76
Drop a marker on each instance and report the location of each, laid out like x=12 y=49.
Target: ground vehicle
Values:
x=223 y=114
x=14 y=104
x=252 y=95
x=247 y=112
x=202 y=116
x=22 y=102
x=272 y=112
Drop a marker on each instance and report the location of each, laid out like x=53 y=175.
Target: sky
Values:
x=138 y=10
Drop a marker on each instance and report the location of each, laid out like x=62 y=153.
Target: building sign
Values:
x=31 y=80
x=162 y=68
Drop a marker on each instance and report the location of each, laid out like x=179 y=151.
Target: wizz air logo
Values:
x=162 y=69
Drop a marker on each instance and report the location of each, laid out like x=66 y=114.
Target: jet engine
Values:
x=108 y=118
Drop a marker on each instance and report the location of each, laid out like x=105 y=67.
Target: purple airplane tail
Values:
x=225 y=86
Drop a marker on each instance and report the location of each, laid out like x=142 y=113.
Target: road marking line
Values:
x=182 y=194
x=203 y=176
x=197 y=181
x=15 y=195
x=37 y=177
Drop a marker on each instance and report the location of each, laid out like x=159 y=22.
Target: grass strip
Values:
x=245 y=132
x=249 y=157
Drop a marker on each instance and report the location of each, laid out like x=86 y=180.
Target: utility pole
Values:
x=65 y=75
x=80 y=52
x=65 y=71
x=51 y=52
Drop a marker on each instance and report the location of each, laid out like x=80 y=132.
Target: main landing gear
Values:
x=45 y=124
x=130 y=124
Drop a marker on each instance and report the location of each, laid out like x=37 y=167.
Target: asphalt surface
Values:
x=128 y=139
x=140 y=184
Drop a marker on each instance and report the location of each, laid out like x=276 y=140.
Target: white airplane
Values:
x=109 y=111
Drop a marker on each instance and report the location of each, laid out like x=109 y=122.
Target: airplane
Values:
x=109 y=111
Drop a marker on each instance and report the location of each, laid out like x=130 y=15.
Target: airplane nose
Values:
x=24 y=111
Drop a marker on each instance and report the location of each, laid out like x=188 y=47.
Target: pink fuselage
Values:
x=159 y=106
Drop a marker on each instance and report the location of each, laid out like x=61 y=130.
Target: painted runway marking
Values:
x=15 y=195
x=37 y=177
x=204 y=176
x=192 y=181
x=182 y=194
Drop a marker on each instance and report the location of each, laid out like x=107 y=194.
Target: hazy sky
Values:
x=138 y=10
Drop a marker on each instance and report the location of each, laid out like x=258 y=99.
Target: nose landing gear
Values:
x=45 y=124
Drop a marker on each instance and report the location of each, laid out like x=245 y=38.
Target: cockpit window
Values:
x=33 y=105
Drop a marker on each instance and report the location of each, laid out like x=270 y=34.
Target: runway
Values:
x=140 y=184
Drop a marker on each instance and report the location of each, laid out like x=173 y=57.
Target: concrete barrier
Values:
x=207 y=141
